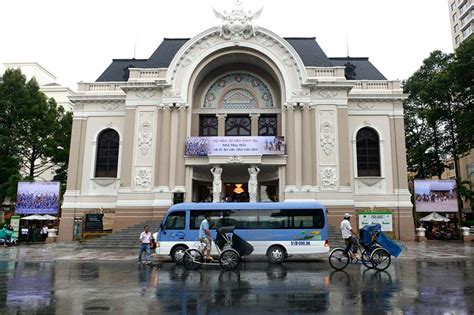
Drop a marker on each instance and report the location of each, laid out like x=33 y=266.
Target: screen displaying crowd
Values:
x=37 y=198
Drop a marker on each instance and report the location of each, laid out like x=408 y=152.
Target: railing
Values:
x=329 y=72
x=376 y=85
x=99 y=86
x=139 y=73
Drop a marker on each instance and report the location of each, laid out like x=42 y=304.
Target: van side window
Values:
x=197 y=216
x=175 y=221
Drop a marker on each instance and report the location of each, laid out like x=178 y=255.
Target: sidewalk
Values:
x=71 y=251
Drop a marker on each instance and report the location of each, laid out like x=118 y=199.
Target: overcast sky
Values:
x=77 y=39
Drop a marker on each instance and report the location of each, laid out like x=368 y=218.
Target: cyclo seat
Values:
x=226 y=229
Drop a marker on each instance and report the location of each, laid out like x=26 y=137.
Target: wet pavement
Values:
x=87 y=282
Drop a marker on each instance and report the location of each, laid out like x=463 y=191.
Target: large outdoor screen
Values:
x=436 y=196
x=37 y=198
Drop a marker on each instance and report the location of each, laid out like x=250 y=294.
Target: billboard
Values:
x=214 y=146
x=436 y=196
x=384 y=218
x=37 y=198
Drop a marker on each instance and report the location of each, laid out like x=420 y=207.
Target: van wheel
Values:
x=177 y=254
x=276 y=254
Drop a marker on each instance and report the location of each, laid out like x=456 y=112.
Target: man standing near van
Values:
x=205 y=236
x=145 y=238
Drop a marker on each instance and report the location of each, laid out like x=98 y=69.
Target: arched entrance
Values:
x=236 y=105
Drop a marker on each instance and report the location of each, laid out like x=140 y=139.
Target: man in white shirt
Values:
x=205 y=236
x=346 y=231
x=44 y=232
x=145 y=238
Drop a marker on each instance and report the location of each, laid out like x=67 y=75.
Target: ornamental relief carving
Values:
x=143 y=179
x=301 y=93
x=235 y=159
x=145 y=137
x=327 y=137
x=327 y=93
x=366 y=105
x=110 y=106
x=328 y=177
x=144 y=94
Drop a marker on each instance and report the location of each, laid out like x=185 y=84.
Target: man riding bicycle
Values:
x=205 y=236
x=349 y=240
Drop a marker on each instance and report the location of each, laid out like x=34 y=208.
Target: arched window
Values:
x=107 y=153
x=368 y=152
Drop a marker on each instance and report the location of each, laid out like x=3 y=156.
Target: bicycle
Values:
x=376 y=250
x=339 y=258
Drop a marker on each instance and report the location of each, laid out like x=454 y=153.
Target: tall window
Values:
x=368 y=152
x=237 y=126
x=207 y=126
x=107 y=154
x=267 y=125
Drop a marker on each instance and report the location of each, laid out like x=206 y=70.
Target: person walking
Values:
x=145 y=238
x=349 y=240
x=44 y=233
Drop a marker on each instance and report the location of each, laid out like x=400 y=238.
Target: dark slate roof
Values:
x=309 y=51
x=364 y=70
x=117 y=69
x=307 y=48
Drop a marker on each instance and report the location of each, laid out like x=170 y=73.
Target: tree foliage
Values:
x=439 y=118
x=34 y=133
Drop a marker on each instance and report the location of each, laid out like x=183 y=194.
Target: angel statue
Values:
x=237 y=23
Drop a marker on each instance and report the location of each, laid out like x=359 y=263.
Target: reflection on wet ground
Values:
x=411 y=287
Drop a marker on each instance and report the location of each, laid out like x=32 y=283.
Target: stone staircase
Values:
x=125 y=238
x=334 y=237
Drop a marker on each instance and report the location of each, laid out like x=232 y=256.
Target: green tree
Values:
x=34 y=132
x=423 y=117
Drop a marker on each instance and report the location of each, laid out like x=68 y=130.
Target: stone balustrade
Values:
x=139 y=73
x=376 y=85
x=326 y=72
x=99 y=86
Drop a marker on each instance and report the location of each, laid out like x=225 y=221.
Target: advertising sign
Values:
x=15 y=223
x=214 y=146
x=382 y=218
x=436 y=196
x=37 y=198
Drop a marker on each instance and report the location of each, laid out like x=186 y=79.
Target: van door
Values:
x=173 y=232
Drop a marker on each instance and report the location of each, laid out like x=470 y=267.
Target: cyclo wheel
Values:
x=366 y=259
x=381 y=259
x=192 y=259
x=339 y=259
x=229 y=259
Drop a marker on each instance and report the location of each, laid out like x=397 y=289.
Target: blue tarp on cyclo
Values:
x=386 y=242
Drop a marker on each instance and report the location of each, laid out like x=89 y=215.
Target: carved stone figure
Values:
x=327 y=137
x=237 y=23
x=253 y=183
x=328 y=178
x=216 y=183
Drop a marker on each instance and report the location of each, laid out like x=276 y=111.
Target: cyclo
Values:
x=230 y=248
x=374 y=246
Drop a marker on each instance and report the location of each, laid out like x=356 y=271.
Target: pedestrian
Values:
x=346 y=230
x=145 y=238
x=44 y=233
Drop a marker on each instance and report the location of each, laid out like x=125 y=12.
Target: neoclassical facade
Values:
x=330 y=129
